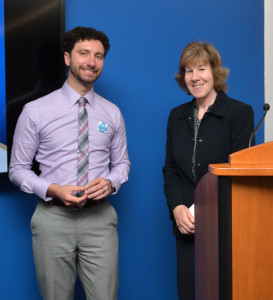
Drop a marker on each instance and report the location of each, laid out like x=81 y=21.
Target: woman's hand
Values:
x=184 y=219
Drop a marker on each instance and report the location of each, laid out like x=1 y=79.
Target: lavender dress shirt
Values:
x=48 y=129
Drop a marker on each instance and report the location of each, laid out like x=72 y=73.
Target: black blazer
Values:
x=223 y=130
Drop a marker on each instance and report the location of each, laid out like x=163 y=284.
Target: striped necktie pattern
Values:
x=83 y=144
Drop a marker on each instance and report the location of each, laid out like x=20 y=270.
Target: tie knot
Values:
x=82 y=101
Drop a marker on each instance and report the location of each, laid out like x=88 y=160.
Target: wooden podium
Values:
x=234 y=228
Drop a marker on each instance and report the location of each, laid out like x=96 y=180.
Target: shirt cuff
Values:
x=40 y=188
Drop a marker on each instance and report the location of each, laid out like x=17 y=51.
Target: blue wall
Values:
x=146 y=38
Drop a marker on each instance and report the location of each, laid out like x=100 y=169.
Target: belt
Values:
x=88 y=203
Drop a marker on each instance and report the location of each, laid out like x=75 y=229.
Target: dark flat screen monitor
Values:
x=31 y=60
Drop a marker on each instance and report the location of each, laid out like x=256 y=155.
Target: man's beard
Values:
x=83 y=79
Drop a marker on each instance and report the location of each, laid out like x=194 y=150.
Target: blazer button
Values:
x=200 y=140
x=198 y=165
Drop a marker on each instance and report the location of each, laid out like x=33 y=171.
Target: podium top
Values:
x=253 y=161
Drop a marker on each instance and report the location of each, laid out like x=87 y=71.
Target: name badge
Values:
x=102 y=127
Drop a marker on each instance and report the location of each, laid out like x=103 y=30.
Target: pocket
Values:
x=114 y=216
x=34 y=220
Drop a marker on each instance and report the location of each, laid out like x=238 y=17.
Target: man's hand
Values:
x=66 y=193
x=184 y=219
x=98 y=189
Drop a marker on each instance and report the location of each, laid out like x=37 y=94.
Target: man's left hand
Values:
x=98 y=189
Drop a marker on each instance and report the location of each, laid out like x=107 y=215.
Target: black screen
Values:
x=34 y=64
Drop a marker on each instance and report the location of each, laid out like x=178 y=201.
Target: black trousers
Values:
x=185 y=268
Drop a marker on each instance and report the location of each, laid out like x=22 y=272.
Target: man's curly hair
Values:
x=84 y=33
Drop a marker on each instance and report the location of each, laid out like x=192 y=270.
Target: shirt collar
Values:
x=219 y=105
x=218 y=108
x=196 y=108
x=71 y=96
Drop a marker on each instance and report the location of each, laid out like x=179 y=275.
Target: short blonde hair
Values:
x=205 y=52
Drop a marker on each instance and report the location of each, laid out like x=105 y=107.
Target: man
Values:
x=74 y=134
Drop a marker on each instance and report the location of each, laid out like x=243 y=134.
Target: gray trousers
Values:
x=68 y=242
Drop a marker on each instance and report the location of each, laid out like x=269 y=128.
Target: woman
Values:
x=201 y=132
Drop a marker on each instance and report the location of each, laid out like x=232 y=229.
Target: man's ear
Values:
x=67 y=58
